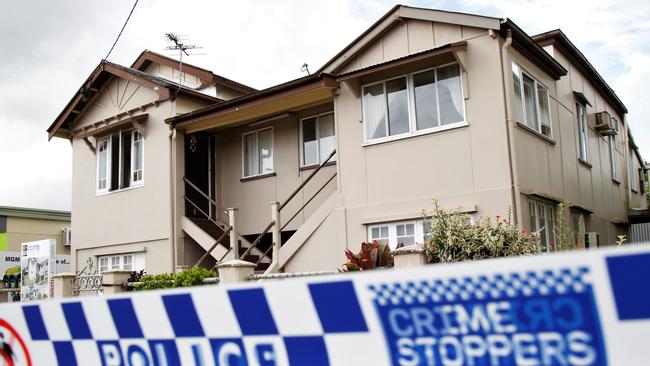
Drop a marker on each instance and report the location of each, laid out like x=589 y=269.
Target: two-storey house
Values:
x=425 y=104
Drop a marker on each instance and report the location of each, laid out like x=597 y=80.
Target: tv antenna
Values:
x=182 y=49
x=304 y=68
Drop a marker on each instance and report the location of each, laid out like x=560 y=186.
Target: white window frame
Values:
x=107 y=185
x=536 y=83
x=257 y=142
x=119 y=259
x=419 y=232
x=413 y=131
x=583 y=140
x=133 y=157
x=631 y=172
x=302 y=136
x=613 y=158
x=109 y=162
x=549 y=222
x=392 y=231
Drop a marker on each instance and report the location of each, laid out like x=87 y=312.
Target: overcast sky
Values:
x=50 y=47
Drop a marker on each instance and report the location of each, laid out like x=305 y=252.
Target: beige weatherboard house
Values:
x=425 y=103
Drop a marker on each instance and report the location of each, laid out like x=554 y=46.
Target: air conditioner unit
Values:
x=67 y=236
x=604 y=124
x=591 y=240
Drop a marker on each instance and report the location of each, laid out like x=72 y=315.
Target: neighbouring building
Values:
x=20 y=225
x=424 y=104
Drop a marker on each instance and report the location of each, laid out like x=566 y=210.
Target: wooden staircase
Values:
x=216 y=232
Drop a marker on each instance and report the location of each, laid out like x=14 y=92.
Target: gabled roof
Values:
x=104 y=72
x=561 y=42
x=207 y=77
x=394 y=15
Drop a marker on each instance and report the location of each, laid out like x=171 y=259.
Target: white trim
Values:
x=427 y=131
x=109 y=162
x=301 y=137
x=538 y=122
x=410 y=98
x=257 y=148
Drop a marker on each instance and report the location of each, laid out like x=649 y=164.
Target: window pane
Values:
x=138 y=156
x=426 y=109
x=115 y=262
x=379 y=234
x=582 y=131
x=102 y=164
x=529 y=98
x=612 y=156
x=128 y=262
x=542 y=225
x=374 y=111
x=309 y=142
x=400 y=230
x=450 y=94
x=533 y=216
x=266 y=151
x=544 y=110
x=398 y=113
x=251 y=162
x=115 y=162
x=126 y=160
x=327 y=138
x=517 y=86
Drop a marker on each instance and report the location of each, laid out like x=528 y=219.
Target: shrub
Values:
x=371 y=256
x=454 y=238
x=189 y=277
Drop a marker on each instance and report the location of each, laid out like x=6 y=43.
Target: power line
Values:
x=121 y=30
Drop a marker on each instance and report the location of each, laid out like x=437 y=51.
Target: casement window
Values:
x=120 y=161
x=542 y=219
x=632 y=171
x=532 y=102
x=581 y=116
x=407 y=232
x=120 y=262
x=413 y=103
x=257 y=152
x=578 y=229
x=612 y=150
x=393 y=233
x=317 y=139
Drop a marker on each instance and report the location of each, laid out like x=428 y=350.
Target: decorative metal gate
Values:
x=88 y=281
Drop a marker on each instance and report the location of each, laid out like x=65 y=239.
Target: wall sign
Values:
x=37 y=265
x=578 y=308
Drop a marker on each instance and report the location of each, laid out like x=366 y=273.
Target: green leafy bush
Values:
x=189 y=277
x=454 y=238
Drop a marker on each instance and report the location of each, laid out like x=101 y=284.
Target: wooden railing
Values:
x=276 y=226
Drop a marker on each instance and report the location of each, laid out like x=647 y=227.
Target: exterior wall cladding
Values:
x=504 y=150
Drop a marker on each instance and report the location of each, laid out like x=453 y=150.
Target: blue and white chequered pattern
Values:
x=72 y=330
x=479 y=288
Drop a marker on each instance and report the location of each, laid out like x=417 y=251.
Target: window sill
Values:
x=536 y=133
x=585 y=163
x=416 y=134
x=314 y=166
x=616 y=181
x=634 y=190
x=256 y=177
x=99 y=194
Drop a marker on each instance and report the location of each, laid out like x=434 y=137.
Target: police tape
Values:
x=578 y=308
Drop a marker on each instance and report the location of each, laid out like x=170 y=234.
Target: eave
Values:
x=561 y=42
x=531 y=50
x=289 y=96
